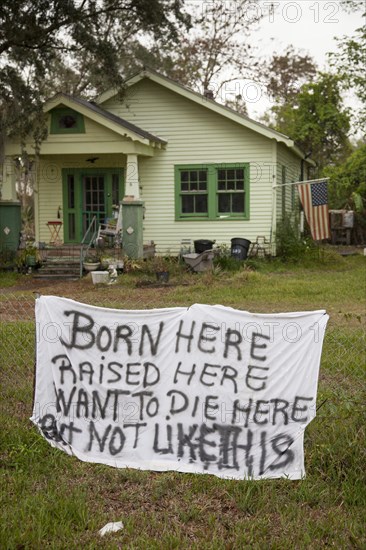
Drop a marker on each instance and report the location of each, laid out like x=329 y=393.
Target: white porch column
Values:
x=8 y=189
x=132 y=187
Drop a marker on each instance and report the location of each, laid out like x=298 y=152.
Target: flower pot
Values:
x=30 y=261
x=162 y=276
x=90 y=266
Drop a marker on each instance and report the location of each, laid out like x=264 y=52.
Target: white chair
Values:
x=111 y=230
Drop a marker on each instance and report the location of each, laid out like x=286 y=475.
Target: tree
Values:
x=347 y=188
x=238 y=104
x=350 y=63
x=347 y=182
x=288 y=72
x=351 y=5
x=218 y=49
x=317 y=120
x=48 y=26
x=81 y=39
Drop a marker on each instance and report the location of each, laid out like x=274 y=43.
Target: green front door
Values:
x=87 y=193
x=94 y=200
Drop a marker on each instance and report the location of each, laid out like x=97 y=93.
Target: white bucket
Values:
x=100 y=277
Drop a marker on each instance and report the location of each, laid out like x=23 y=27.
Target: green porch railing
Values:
x=85 y=243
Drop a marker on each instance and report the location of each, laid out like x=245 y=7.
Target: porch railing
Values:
x=91 y=232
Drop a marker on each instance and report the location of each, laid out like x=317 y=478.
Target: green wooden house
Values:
x=202 y=170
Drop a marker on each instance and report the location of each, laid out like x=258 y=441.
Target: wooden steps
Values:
x=63 y=262
x=59 y=267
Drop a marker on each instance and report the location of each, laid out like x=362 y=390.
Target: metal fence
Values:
x=342 y=365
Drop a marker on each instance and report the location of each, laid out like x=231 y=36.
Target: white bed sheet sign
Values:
x=204 y=389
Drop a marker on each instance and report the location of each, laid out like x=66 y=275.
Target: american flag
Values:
x=314 y=199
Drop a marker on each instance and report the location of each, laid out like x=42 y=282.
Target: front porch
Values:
x=70 y=192
x=66 y=261
x=87 y=165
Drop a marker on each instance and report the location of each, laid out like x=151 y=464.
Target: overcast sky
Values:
x=308 y=25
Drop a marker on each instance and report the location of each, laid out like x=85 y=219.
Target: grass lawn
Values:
x=49 y=499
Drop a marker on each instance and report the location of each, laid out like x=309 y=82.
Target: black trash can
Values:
x=240 y=248
x=203 y=244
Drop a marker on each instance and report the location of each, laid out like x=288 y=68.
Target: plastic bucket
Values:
x=202 y=245
x=239 y=248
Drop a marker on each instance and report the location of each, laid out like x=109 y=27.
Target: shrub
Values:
x=290 y=245
x=224 y=260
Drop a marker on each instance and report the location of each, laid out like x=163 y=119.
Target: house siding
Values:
x=94 y=134
x=285 y=158
x=195 y=135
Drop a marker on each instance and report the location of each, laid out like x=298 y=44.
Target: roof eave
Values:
x=202 y=100
x=63 y=99
x=212 y=105
x=302 y=155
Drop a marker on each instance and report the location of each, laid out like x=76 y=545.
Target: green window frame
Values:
x=212 y=191
x=67 y=121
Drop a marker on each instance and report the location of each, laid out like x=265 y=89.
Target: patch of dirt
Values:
x=29 y=283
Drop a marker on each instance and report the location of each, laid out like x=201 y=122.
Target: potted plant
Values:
x=106 y=261
x=28 y=258
x=160 y=265
x=91 y=262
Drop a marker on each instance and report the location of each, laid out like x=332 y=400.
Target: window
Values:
x=67 y=121
x=70 y=191
x=214 y=191
x=230 y=191
x=194 y=192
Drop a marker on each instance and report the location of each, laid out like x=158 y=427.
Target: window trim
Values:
x=79 y=128
x=212 y=192
x=198 y=192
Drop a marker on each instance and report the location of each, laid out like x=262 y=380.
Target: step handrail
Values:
x=83 y=243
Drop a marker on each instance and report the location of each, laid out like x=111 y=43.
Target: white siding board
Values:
x=195 y=136
x=293 y=172
x=93 y=132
